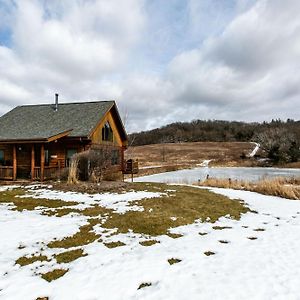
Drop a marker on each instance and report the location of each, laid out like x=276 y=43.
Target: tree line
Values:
x=280 y=139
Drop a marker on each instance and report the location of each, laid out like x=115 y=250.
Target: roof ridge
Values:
x=66 y=103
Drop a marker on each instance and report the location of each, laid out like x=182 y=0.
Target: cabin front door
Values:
x=23 y=161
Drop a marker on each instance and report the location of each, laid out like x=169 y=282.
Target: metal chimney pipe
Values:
x=56 y=102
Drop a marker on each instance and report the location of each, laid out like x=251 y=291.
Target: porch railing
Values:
x=50 y=172
x=6 y=172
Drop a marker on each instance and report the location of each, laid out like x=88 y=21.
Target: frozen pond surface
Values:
x=193 y=175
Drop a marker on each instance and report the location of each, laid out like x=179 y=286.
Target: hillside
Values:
x=159 y=158
x=211 y=131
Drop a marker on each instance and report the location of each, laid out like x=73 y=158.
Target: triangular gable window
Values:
x=107 y=133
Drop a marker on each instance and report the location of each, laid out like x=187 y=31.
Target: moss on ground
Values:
x=27 y=260
x=68 y=256
x=55 y=274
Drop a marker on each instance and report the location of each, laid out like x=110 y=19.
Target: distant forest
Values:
x=213 y=131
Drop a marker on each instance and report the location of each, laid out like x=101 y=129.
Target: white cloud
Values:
x=246 y=68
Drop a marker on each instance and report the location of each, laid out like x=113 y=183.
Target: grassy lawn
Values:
x=176 y=206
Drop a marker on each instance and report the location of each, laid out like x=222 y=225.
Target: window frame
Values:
x=2 y=157
x=107 y=133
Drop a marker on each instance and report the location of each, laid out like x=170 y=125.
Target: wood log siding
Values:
x=6 y=172
x=97 y=134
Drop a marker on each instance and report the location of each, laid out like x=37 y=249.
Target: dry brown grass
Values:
x=25 y=260
x=55 y=274
x=174 y=155
x=68 y=256
x=149 y=243
x=281 y=187
x=186 y=204
x=14 y=196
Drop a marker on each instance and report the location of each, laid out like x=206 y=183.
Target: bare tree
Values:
x=276 y=142
x=73 y=170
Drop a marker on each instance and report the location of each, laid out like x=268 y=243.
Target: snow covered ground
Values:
x=267 y=267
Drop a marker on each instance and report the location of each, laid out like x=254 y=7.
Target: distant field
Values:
x=191 y=154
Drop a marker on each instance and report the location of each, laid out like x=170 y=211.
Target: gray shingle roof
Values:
x=32 y=122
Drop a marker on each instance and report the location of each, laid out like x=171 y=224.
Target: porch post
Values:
x=14 y=162
x=32 y=162
x=42 y=161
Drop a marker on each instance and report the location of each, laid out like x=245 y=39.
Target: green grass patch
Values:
x=68 y=256
x=55 y=274
x=25 y=260
x=173 y=261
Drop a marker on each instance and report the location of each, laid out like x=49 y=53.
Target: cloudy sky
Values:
x=162 y=61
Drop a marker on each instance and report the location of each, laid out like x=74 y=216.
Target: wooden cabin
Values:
x=37 y=141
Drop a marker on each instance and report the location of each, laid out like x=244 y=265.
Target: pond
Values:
x=193 y=175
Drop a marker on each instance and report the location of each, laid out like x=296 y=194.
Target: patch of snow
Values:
x=265 y=268
x=205 y=163
x=8 y=187
x=254 y=151
x=118 y=202
x=150 y=167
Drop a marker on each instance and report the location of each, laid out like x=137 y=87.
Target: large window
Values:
x=115 y=157
x=107 y=133
x=1 y=157
x=46 y=153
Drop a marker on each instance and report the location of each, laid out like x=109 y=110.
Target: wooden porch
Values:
x=31 y=166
